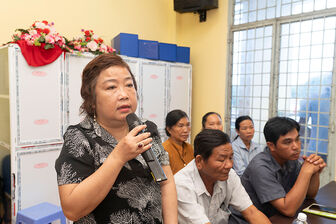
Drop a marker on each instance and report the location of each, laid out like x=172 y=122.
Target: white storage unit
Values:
x=37 y=104
x=74 y=66
x=31 y=127
x=179 y=75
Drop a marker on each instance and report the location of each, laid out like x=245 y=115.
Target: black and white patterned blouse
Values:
x=134 y=198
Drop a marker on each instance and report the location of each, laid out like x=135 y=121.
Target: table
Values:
x=325 y=196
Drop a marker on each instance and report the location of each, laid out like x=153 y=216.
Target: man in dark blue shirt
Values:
x=274 y=179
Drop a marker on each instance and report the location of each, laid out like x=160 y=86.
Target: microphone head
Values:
x=132 y=121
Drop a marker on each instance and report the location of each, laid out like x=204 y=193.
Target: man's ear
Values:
x=271 y=146
x=199 y=162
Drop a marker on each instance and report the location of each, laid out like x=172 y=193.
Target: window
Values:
x=282 y=57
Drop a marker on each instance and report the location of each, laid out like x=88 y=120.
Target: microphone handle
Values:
x=154 y=165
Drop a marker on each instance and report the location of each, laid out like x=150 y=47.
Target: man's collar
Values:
x=199 y=184
x=287 y=167
x=242 y=145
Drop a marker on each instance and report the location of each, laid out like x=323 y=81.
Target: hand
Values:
x=132 y=144
x=310 y=167
x=316 y=160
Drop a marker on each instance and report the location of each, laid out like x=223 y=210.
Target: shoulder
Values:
x=185 y=175
x=72 y=133
x=167 y=145
x=237 y=144
x=233 y=177
x=261 y=161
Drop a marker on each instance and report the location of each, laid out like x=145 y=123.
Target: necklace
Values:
x=181 y=158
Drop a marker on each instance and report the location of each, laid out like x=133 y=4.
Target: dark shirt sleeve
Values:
x=75 y=161
x=266 y=184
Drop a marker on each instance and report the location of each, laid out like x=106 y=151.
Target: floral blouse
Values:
x=134 y=198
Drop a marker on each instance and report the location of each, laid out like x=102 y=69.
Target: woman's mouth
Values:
x=124 y=108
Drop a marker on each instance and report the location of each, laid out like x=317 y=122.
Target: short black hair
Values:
x=279 y=126
x=173 y=117
x=207 y=140
x=205 y=117
x=241 y=119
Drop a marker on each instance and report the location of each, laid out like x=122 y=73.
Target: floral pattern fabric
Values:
x=134 y=198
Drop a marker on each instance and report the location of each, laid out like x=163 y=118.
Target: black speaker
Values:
x=194 y=5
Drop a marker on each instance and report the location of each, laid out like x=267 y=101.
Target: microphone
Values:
x=148 y=155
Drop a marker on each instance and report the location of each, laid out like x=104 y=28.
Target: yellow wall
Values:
x=151 y=19
x=208 y=58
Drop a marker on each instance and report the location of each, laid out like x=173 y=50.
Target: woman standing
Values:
x=178 y=129
x=101 y=175
x=244 y=149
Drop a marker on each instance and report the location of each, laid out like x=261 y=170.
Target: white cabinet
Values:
x=179 y=90
x=37 y=104
x=74 y=66
x=31 y=127
x=153 y=92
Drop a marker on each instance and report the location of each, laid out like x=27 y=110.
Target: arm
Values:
x=289 y=204
x=253 y=215
x=169 y=197
x=313 y=185
x=81 y=198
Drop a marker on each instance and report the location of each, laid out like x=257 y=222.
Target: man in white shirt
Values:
x=207 y=185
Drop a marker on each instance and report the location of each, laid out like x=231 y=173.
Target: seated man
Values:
x=274 y=179
x=207 y=185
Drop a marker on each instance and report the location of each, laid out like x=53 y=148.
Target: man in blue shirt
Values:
x=274 y=179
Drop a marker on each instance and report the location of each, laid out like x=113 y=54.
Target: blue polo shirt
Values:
x=265 y=180
x=242 y=156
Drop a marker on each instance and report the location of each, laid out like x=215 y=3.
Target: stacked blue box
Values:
x=149 y=49
x=126 y=44
x=183 y=54
x=167 y=52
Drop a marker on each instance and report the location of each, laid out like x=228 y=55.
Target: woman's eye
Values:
x=130 y=85
x=111 y=87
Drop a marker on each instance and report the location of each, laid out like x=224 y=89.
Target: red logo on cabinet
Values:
x=41 y=122
x=39 y=73
x=152 y=115
x=153 y=76
x=40 y=165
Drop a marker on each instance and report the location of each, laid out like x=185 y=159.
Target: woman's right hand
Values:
x=133 y=144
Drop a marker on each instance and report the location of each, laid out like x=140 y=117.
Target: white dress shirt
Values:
x=197 y=206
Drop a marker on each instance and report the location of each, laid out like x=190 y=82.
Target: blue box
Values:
x=183 y=54
x=126 y=44
x=149 y=49
x=167 y=52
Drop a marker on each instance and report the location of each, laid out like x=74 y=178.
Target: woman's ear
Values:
x=168 y=130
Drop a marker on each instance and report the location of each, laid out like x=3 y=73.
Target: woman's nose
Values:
x=122 y=93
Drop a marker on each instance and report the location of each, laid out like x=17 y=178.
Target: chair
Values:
x=40 y=214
